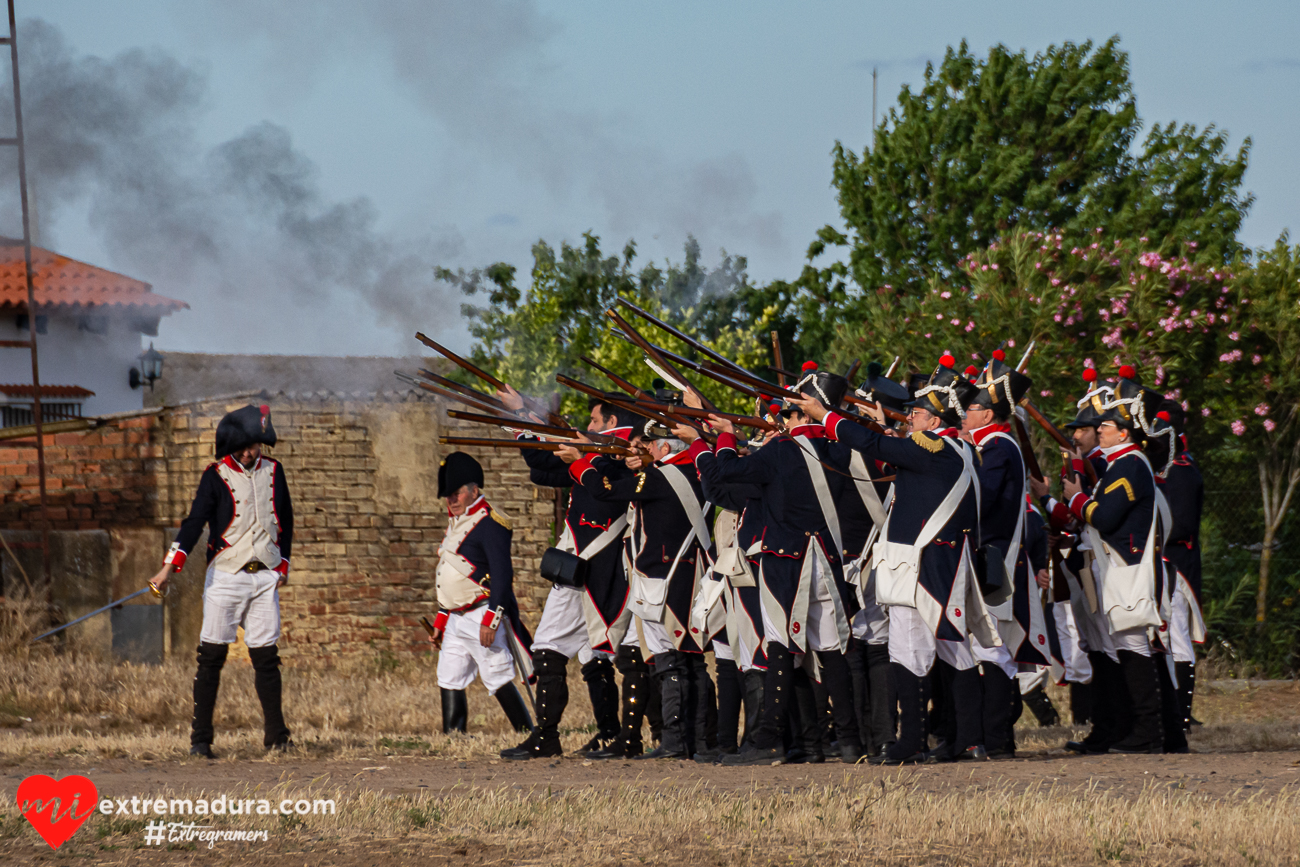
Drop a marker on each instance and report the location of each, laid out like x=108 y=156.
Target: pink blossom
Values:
x=1239 y=427
x=1056 y=281
x=956 y=322
x=1261 y=409
x=984 y=267
x=970 y=326
x=1047 y=392
x=1233 y=335
x=994 y=266
x=1087 y=362
x=927 y=335
x=945 y=294
x=1057 y=317
x=1269 y=424
x=938 y=316
x=1256 y=358
x=1234 y=355
x=1205 y=412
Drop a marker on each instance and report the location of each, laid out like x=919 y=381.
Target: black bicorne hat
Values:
x=880 y=389
x=829 y=388
x=946 y=394
x=242 y=428
x=457 y=470
x=1176 y=415
x=1001 y=386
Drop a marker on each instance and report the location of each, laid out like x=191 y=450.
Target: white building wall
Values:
x=72 y=356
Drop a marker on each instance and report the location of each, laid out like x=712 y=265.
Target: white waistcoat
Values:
x=254 y=532
x=452 y=581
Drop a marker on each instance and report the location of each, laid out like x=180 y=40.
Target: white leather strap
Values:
x=614 y=531
x=818 y=474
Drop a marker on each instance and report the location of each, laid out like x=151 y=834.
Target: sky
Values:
x=295 y=170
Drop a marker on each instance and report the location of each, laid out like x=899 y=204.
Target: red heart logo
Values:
x=52 y=805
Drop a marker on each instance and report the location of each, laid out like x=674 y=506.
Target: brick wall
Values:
x=363 y=475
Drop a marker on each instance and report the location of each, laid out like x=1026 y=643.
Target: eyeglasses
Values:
x=1109 y=424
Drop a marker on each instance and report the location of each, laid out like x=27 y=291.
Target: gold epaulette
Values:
x=928 y=441
x=500 y=519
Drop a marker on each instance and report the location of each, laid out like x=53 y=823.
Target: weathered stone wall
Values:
x=367 y=522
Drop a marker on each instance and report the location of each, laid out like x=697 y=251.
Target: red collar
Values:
x=1121 y=452
x=623 y=433
x=479 y=505
x=812 y=431
x=229 y=460
x=1096 y=450
x=980 y=434
x=682 y=458
x=950 y=432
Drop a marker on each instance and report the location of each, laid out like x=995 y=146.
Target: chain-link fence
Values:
x=1232 y=536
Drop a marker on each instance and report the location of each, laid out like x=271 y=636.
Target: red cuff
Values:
x=580 y=466
x=1077 y=502
x=699 y=447
x=727 y=441
x=175 y=558
x=283 y=568
x=440 y=620
x=492 y=617
x=831 y=420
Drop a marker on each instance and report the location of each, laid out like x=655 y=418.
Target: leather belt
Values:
x=465 y=609
x=252 y=566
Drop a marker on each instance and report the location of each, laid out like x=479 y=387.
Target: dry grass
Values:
x=885 y=820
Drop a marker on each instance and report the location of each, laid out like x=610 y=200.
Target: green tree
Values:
x=527 y=336
x=1012 y=142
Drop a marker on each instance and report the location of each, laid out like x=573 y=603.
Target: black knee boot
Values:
x=767 y=744
x=636 y=691
x=455 y=710
x=856 y=657
x=1040 y=705
x=1000 y=694
x=1186 y=689
x=806 y=732
x=1142 y=685
x=913 y=702
x=598 y=674
x=654 y=705
x=1171 y=718
x=207 y=679
x=883 y=700
x=838 y=682
x=942 y=723
x=702 y=713
x=515 y=709
x=753 y=683
x=1106 y=706
x=674 y=689
x=969 y=698
x=266 y=680
x=1081 y=703
x=730 y=692
x=552 y=697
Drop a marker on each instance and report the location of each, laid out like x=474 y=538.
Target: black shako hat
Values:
x=1092 y=406
x=1000 y=386
x=457 y=470
x=241 y=428
x=1133 y=406
x=828 y=388
x=882 y=390
x=946 y=394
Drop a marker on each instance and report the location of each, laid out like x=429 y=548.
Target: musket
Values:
x=656 y=359
x=782 y=373
x=684 y=338
x=776 y=358
x=853 y=369
x=1024 y=359
x=534 y=427
x=468 y=366
x=856 y=401
x=596 y=448
x=714 y=371
x=445 y=392
x=591 y=391
x=465 y=390
x=146 y=589
x=615 y=378
x=889 y=374
x=691 y=412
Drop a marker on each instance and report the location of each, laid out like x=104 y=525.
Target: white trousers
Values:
x=235 y=599
x=999 y=656
x=871 y=623
x=563 y=627
x=912 y=644
x=1180 y=628
x=1078 y=668
x=462 y=657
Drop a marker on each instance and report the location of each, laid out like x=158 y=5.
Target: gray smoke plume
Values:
x=241 y=231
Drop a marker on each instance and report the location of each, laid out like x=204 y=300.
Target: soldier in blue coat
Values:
x=477 y=630
x=924 y=570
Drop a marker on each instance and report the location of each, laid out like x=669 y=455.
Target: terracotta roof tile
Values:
x=61 y=281
x=74 y=391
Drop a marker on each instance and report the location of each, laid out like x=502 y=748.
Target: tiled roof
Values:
x=73 y=391
x=62 y=281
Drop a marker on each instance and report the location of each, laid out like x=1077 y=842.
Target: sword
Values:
x=146 y=589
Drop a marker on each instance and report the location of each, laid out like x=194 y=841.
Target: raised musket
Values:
x=657 y=361
x=777 y=361
x=532 y=427
x=684 y=338
x=531 y=404
x=540 y=445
